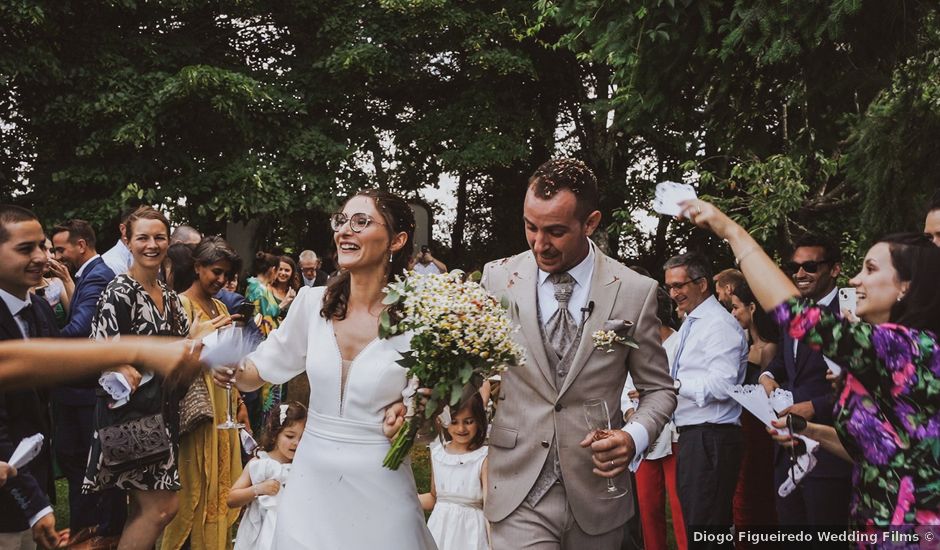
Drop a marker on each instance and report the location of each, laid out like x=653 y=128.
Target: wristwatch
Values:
x=677 y=384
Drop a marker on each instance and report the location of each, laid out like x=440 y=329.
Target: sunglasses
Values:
x=809 y=267
x=357 y=222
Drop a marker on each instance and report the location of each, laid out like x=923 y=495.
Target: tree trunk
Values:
x=460 y=221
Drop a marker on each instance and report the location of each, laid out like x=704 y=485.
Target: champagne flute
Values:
x=597 y=416
x=233 y=333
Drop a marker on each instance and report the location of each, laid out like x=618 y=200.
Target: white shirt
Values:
x=118 y=258
x=84 y=265
x=662 y=447
x=581 y=274
x=426 y=269
x=16 y=305
x=548 y=305
x=711 y=358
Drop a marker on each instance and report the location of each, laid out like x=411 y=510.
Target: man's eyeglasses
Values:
x=679 y=286
x=357 y=221
x=809 y=267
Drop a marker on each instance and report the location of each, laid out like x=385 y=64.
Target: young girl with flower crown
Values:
x=458 y=481
x=265 y=475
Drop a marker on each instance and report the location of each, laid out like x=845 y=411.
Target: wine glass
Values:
x=597 y=416
x=233 y=334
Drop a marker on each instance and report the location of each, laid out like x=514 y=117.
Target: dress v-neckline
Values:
x=161 y=314
x=346 y=366
x=339 y=350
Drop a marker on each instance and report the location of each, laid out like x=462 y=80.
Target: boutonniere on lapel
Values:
x=613 y=333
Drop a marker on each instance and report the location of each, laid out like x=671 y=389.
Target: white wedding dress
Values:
x=338 y=495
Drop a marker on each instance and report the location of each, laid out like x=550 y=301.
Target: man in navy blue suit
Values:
x=74 y=244
x=822 y=498
x=25 y=509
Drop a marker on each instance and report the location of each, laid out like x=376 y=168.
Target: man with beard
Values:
x=546 y=473
x=822 y=497
x=93 y=514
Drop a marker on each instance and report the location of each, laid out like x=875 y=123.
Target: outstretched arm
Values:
x=770 y=285
x=44 y=361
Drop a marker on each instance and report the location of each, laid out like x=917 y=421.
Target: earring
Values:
x=391 y=257
x=900 y=297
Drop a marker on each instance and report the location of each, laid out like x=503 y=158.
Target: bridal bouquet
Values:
x=460 y=336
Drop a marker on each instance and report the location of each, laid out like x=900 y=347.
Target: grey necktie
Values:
x=561 y=327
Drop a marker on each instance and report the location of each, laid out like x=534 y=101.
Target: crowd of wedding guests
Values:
x=865 y=384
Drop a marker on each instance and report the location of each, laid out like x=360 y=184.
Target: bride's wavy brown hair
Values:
x=398 y=218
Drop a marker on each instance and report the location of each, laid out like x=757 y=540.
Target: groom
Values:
x=545 y=476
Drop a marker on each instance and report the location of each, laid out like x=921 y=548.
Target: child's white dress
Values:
x=256 y=530
x=457 y=522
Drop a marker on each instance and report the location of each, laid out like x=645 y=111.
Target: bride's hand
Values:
x=224 y=377
x=394 y=418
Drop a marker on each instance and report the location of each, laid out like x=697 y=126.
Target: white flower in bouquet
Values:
x=460 y=336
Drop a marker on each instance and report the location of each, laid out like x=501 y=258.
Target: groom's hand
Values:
x=612 y=455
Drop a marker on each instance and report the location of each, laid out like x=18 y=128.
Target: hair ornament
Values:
x=284 y=408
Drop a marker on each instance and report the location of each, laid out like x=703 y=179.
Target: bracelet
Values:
x=739 y=259
x=254 y=490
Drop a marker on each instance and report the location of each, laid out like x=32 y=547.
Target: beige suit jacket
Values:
x=532 y=413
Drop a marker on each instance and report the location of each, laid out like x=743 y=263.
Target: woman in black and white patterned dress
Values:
x=137 y=302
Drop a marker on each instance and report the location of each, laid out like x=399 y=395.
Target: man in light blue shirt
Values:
x=711 y=357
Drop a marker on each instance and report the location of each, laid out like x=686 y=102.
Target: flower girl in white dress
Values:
x=458 y=479
x=265 y=475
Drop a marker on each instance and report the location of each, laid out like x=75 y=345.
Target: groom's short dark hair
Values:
x=571 y=174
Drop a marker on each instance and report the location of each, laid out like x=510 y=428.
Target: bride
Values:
x=338 y=495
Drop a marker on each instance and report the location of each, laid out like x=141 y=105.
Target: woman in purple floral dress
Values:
x=888 y=410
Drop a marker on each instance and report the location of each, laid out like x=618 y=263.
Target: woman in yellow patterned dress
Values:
x=210 y=459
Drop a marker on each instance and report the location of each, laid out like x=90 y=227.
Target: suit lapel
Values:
x=9 y=329
x=523 y=288
x=43 y=326
x=604 y=289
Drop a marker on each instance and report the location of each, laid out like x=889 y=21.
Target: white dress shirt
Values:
x=548 y=305
x=118 y=258
x=662 y=447
x=711 y=358
x=16 y=305
x=581 y=274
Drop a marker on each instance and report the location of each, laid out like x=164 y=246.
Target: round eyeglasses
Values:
x=357 y=221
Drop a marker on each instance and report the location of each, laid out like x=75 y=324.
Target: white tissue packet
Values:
x=836 y=369
x=781 y=399
x=226 y=347
x=248 y=443
x=668 y=196
x=27 y=450
x=119 y=388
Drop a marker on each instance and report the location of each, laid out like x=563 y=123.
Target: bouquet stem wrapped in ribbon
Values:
x=460 y=337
